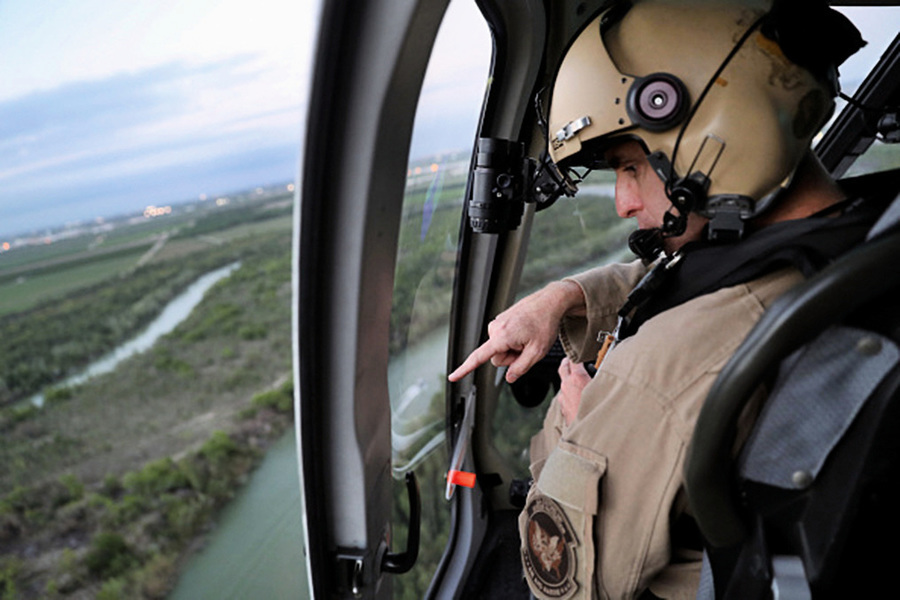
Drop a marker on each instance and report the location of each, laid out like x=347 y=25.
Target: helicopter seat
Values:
x=811 y=506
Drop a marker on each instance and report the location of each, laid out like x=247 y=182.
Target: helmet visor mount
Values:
x=601 y=102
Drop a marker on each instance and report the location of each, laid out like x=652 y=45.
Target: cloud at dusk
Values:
x=163 y=134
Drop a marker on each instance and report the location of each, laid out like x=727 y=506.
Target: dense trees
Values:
x=46 y=344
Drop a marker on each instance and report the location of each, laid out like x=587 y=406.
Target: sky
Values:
x=107 y=107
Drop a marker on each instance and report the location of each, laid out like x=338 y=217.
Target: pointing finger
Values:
x=479 y=356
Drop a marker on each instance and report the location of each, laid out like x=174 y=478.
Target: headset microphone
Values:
x=686 y=195
x=646 y=244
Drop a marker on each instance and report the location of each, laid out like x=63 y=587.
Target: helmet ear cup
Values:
x=657 y=102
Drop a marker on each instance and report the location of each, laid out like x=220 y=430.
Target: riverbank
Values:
x=104 y=490
x=256 y=548
x=129 y=536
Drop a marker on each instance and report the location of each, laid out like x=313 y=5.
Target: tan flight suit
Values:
x=597 y=520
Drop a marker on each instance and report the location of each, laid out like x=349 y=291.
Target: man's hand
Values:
x=522 y=335
x=573 y=379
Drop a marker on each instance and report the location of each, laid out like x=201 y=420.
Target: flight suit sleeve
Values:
x=605 y=290
x=544 y=441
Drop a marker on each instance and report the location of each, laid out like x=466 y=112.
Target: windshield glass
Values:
x=879 y=26
x=443 y=138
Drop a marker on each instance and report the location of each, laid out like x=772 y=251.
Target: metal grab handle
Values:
x=401 y=562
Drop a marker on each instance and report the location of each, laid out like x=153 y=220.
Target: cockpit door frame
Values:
x=369 y=66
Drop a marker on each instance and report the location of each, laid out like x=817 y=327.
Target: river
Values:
x=256 y=550
x=176 y=311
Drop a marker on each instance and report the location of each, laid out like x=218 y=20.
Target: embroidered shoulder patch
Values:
x=548 y=554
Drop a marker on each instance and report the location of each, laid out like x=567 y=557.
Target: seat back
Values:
x=810 y=508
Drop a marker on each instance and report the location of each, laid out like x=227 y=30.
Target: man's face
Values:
x=641 y=194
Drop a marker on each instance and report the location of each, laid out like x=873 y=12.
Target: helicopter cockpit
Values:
x=422 y=216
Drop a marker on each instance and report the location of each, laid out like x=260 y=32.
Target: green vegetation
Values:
x=184 y=376
x=574 y=234
x=426 y=263
x=25 y=291
x=105 y=489
x=10 y=572
x=135 y=529
x=57 y=338
x=109 y=556
x=280 y=399
x=45 y=344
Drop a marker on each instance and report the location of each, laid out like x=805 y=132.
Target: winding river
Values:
x=256 y=551
x=176 y=311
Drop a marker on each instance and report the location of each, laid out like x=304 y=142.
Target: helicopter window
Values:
x=443 y=136
x=573 y=235
x=149 y=157
x=878 y=25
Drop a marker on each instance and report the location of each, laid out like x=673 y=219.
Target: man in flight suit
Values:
x=706 y=118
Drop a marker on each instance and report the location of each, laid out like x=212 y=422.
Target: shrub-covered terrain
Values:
x=107 y=488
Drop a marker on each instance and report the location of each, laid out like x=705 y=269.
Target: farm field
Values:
x=45 y=271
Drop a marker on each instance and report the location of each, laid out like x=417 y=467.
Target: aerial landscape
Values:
x=110 y=483
x=106 y=483
x=148 y=201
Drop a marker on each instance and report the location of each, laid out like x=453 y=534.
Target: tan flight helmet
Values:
x=697 y=83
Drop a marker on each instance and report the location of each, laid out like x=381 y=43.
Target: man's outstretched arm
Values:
x=522 y=334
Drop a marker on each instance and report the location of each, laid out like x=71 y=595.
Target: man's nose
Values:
x=628 y=201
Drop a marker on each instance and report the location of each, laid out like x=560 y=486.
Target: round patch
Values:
x=548 y=554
